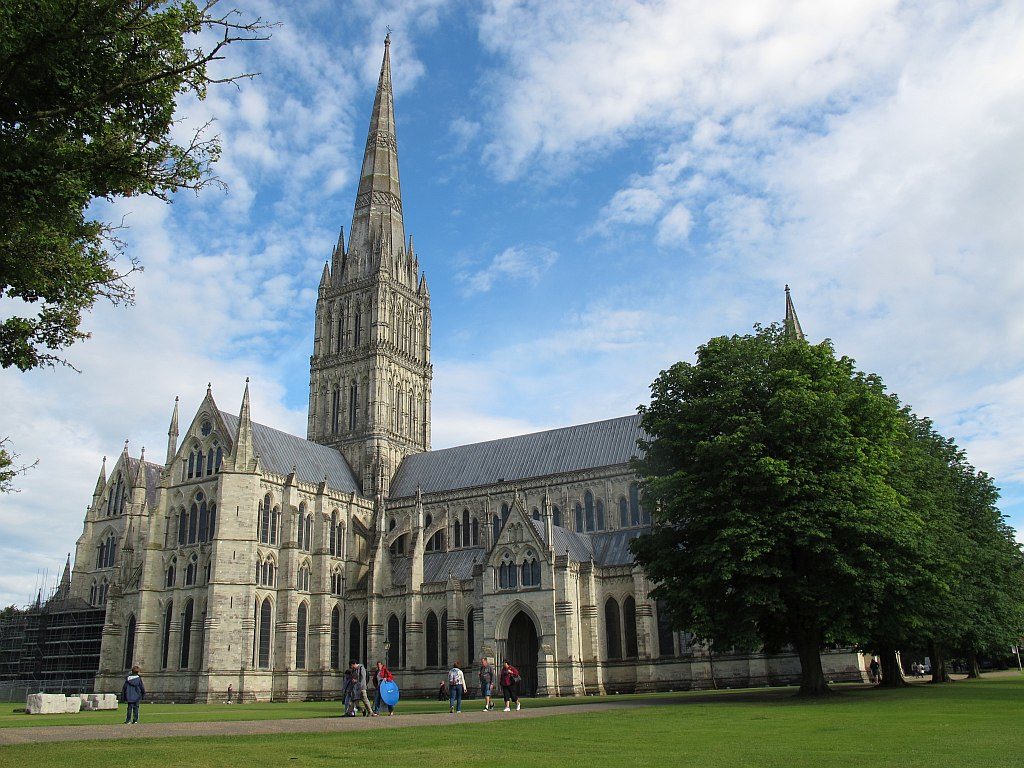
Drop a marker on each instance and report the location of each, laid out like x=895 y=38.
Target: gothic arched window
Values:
x=623 y=512
x=432 y=637
x=211 y=523
x=588 y=505
x=535 y=514
x=504 y=513
x=637 y=514
x=190 y=571
x=458 y=534
x=556 y=516
x=476 y=532
x=266 y=633
x=354 y=634
x=599 y=514
x=393 y=638
x=275 y=521
x=353 y=404
x=129 y=643
x=169 y=576
x=612 y=632
x=186 y=636
x=333 y=543
x=264 y=520
x=336 y=582
x=335 y=638
x=303 y=580
x=495 y=528
x=300 y=637
x=579 y=517
x=629 y=625
x=165 y=645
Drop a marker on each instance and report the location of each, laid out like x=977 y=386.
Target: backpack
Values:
x=453 y=676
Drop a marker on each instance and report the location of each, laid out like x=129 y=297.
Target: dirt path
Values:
x=52 y=733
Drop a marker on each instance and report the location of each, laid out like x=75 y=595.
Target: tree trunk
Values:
x=939 y=674
x=812 y=679
x=892 y=675
x=973 y=670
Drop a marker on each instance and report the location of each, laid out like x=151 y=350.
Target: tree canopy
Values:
x=797 y=504
x=88 y=90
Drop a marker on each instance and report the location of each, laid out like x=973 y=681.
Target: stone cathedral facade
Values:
x=266 y=561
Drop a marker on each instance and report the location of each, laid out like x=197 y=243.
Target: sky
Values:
x=594 y=189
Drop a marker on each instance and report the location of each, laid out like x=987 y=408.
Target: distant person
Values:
x=381 y=675
x=231 y=691
x=486 y=676
x=359 y=687
x=346 y=695
x=442 y=692
x=510 y=679
x=133 y=692
x=875 y=670
x=456 y=687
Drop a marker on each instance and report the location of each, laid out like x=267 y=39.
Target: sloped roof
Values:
x=612 y=547
x=279 y=452
x=152 y=478
x=437 y=565
x=556 y=451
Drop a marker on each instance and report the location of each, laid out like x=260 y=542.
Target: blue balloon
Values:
x=389 y=692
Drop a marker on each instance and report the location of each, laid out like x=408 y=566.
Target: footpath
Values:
x=142 y=730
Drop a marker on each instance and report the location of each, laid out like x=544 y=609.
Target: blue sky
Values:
x=594 y=190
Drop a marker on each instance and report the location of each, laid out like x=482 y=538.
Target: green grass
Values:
x=965 y=724
x=13 y=716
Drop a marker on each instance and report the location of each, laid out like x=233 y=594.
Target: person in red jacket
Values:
x=510 y=684
x=381 y=675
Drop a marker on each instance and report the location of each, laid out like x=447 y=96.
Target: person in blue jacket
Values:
x=133 y=691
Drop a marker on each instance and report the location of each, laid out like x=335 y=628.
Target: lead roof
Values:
x=556 y=451
x=279 y=452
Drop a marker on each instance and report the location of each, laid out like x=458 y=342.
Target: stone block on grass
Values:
x=46 y=703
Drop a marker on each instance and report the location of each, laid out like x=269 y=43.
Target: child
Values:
x=133 y=691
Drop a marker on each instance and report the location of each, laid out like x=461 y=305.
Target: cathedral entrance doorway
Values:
x=522 y=649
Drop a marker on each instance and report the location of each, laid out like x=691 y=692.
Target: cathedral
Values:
x=258 y=559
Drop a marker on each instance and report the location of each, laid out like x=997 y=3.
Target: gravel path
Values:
x=143 y=730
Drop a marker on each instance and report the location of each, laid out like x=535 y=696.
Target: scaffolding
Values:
x=50 y=647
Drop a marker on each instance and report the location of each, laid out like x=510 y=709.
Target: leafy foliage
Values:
x=87 y=101
x=767 y=462
x=797 y=503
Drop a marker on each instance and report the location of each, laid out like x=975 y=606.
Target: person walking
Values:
x=456 y=687
x=381 y=675
x=486 y=676
x=346 y=695
x=510 y=680
x=875 y=670
x=133 y=692
x=359 y=698
x=231 y=691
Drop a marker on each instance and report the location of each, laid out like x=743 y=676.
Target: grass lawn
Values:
x=966 y=724
x=12 y=716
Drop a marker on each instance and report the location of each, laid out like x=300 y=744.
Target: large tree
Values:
x=87 y=102
x=767 y=465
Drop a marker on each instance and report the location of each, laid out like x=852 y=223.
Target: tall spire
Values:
x=172 y=434
x=245 y=450
x=379 y=199
x=791 y=325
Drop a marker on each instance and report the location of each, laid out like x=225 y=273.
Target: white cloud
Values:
x=675 y=226
x=515 y=264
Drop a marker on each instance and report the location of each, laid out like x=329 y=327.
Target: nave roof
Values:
x=279 y=452
x=540 y=454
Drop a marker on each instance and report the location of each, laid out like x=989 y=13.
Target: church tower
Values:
x=370 y=373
